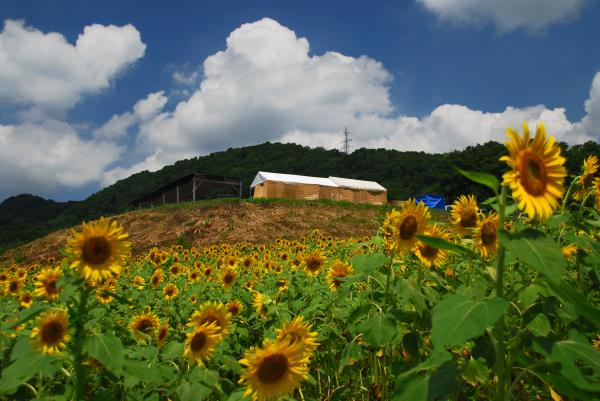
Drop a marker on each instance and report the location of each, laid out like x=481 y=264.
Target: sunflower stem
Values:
x=501 y=368
x=78 y=343
x=387 y=283
x=568 y=195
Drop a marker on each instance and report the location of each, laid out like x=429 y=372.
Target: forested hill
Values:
x=404 y=174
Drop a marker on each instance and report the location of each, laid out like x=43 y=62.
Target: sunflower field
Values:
x=476 y=306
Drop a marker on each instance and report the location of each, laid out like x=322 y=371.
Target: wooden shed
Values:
x=275 y=185
x=190 y=188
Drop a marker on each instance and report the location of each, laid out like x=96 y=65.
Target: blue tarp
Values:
x=432 y=201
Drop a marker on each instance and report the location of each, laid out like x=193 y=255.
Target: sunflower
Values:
x=465 y=214
x=298 y=331
x=162 y=333
x=338 y=270
x=156 y=278
x=201 y=342
x=400 y=228
x=428 y=255
x=194 y=275
x=170 y=292
x=569 y=251
x=258 y=302
x=597 y=196
x=234 y=307
x=273 y=370
x=13 y=286
x=313 y=262
x=282 y=285
x=139 y=282
x=144 y=325
x=212 y=313
x=99 y=250
x=26 y=299
x=51 y=333
x=228 y=276
x=486 y=234
x=591 y=165
x=537 y=174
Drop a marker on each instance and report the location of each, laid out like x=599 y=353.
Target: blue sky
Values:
x=426 y=75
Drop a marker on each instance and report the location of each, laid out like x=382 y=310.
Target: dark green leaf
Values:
x=447 y=245
x=579 y=361
x=537 y=250
x=351 y=354
x=540 y=326
x=437 y=381
x=482 y=178
x=379 y=330
x=107 y=349
x=141 y=371
x=571 y=296
x=25 y=316
x=368 y=264
x=21 y=370
x=459 y=318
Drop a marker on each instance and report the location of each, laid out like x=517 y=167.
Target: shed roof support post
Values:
x=194 y=189
x=163 y=198
x=241 y=185
x=177 y=193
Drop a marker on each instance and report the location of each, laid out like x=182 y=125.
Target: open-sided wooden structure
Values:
x=275 y=185
x=190 y=188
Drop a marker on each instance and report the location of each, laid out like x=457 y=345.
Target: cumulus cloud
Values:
x=143 y=110
x=50 y=154
x=45 y=71
x=507 y=15
x=182 y=78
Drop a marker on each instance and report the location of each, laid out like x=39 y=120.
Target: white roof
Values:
x=357 y=184
x=336 y=182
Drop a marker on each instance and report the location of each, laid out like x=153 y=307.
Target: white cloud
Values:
x=47 y=155
x=186 y=79
x=143 y=110
x=47 y=72
x=507 y=15
x=589 y=127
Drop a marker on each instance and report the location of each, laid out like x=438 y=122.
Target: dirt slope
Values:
x=223 y=222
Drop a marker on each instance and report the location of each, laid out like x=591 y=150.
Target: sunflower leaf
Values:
x=441 y=243
x=459 y=318
x=107 y=349
x=537 y=250
x=482 y=178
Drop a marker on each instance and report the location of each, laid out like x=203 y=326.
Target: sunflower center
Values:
x=408 y=227
x=26 y=298
x=170 y=291
x=429 y=251
x=488 y=233
x=533 y=175
x=273 y=368
x=52 y=332
x=13 y=286
x=96 y=250
x=313 y=264
x=586 y=180
x=234 y=309
x=198 y=342
x=50 y=286
x=468 y=219
x=145 y=326
x=228 y=279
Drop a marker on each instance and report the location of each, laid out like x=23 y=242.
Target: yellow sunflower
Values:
x=170 y=292
x=569 y=251
x=201 y=343
x=273 y=370
x=400 y=228
x=591 y=165
x=13 y=286
x=162 y=333
x=234 y=307
x=99 y=250
x=298 y=331
x=26 y=299
x=337 y=272
x=228 y=276
x=465 y=214
x=156 y=278
x=46 y=283
x=313 y=262
x=428 y=255
x=597 y=196
x=258 y=302
x=51 y=332
x=212 y=312
x=537 y=174
x=144 y=325
x=486 y=235
x=139 y=282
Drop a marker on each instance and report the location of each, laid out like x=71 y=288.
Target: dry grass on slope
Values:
x=215 y=222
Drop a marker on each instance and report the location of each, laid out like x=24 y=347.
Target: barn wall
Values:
x=274 y=189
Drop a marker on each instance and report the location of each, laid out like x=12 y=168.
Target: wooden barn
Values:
x=190 y=188
x=275 y=185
